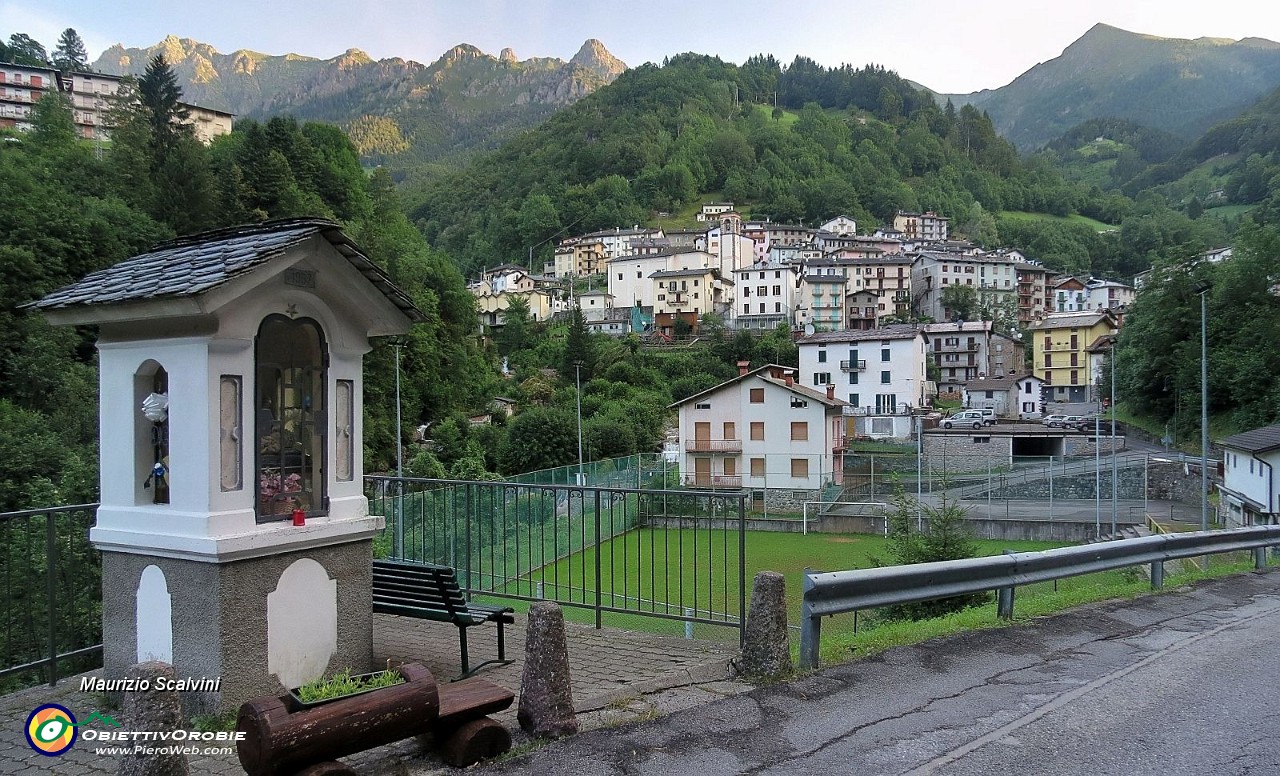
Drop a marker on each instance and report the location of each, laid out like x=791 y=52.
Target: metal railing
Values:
x=846 y=591
x=668 y=554
x=51 y=610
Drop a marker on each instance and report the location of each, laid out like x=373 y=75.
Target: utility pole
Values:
x=1203 y=288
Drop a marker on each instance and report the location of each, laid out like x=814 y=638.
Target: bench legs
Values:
x=467 y=670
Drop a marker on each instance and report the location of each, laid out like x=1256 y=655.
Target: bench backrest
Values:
x=419 y=584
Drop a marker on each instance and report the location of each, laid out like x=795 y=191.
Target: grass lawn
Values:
x=654 y=569
x=658 y=574
x=1228 y=211
x=1075 y=218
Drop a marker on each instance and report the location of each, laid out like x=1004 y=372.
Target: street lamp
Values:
x=1202 y=288
x=1114 y=465
x=399 y=534
x=577 y=379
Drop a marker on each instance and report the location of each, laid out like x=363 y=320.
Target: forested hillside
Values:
x=862 y=142
x=67 y=210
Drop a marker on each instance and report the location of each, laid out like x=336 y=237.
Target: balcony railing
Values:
x=712 y=481
x=849 y=365
x=713 y=445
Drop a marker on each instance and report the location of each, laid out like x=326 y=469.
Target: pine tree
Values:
x=577 y=348
x=161 y=99
x=70 y=55
x=25 y=50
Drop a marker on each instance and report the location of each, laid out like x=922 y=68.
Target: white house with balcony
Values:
x=764 y=431
x=1250 y=489
x=878 y=372
x=766 y=296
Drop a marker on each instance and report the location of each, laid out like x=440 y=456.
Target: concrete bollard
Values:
x=766 y=651
x=546 y=696
x=156 y=710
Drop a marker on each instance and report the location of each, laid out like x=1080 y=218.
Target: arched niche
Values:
x=154 y=617
x=302 y=623
x=291 y=381
x=151 y=434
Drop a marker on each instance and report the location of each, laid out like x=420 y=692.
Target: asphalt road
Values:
x=1181 y=683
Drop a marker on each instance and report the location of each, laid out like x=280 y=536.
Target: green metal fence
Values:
x=51 y=578
x=669 y=554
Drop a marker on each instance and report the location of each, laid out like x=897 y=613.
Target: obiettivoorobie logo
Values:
x=52 y=729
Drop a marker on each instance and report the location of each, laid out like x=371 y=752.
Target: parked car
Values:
x=1053 y=421
x=971 y=418
x=1094 y=425
x=988 y=415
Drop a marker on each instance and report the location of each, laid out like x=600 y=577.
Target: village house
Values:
x=1060 y=357
x=991 y=277
x=686 y=294
x=927 y=226
x=1250 y=489
x=579 y=256
x=22 y=86
x=1031 y=278
x=711 y=211
x=1070 y=295
x=961 y=351
x=766 y=296
x=764 y=431
x=879 y=371
x=1016 y=397
x=820 y=301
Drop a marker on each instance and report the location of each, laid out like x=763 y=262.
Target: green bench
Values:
x=431 y=592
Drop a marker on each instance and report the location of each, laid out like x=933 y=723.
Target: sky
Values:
x=950 y=46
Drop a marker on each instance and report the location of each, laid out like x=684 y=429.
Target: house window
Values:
x=981 y=440
x=798 y=403
x=730 y=430
x=731 y=467
x=746 y=291
x=637 y=274
x=822 y=356
x=800 y=467
x=853 y=378
x=821 y=378
x=702 y=405
x=757 y=430
x=762 y=308
x=884 y=377
x=746 y=309
x=757 y=467
x=777 y=307
x=1075 y=377
x=884 y=354
x=799 y=431
x=1048 y=359
x=777 y=290
x=757 y=396
x=619 y=276
x=853 y=399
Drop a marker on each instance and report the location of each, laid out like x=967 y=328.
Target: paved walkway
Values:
x=611 y=670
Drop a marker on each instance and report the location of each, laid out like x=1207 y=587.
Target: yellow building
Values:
x=1059 y=346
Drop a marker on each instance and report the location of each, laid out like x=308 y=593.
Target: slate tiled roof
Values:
x=191 y=265
x=1258 y=440
x=891 y=332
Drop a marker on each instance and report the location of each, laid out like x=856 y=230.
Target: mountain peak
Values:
x=508 y=55
x=595 y=57
x=460 y=52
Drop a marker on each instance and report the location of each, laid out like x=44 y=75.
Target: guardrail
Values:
x=846 y=591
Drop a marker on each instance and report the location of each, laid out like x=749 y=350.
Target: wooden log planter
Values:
x=281 y=738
